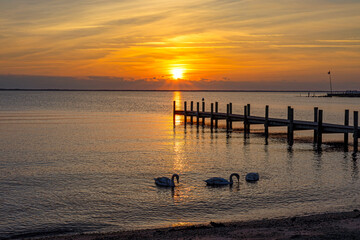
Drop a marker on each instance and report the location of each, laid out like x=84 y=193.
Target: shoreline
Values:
x=343 y=225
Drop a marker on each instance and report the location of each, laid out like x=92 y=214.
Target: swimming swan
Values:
x=252 y=177
x=166 y=182
x=217 y=181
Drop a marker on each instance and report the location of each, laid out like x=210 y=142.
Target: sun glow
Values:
x=177 y=73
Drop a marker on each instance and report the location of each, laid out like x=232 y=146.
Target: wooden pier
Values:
x=318 y=126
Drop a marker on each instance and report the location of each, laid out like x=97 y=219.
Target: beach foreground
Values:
x=345 y=225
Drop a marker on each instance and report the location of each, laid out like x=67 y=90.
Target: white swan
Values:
x=217 y=181
x=252 y=177
x=166 y=182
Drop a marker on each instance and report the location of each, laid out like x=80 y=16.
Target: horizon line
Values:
x=152 y=90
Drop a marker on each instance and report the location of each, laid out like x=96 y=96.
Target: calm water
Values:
x=85 y=162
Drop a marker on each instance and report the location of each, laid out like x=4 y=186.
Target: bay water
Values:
x=85 y=161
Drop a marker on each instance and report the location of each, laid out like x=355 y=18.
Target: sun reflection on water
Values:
x=182 y=192
x=177 y=99
x=179 y=164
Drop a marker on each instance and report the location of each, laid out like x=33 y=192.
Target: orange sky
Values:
x=249 y=41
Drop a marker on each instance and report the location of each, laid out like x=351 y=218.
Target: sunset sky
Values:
x=168 y=44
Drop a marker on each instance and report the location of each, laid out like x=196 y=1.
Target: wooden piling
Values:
x=192 y=109
x=356 y=131
x=320 y=128
x=316 y=111
x=245 y=120
x=203 y=110
x=216 y=110
x=227 y=117
x=290 y=126
x=266 y=124
x=212 y=117
x=174 y=108
x=185 y=113
x=346 y=123
x=288 y=118
x=197 y=113
x=248 y=114
x=230 y=112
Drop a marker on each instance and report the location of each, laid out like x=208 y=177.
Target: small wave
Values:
x=54 y=230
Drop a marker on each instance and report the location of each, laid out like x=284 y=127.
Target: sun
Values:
x=177 y=73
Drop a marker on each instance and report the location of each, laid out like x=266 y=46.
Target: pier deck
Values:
x=318 y=126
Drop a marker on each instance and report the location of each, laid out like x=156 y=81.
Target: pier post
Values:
x=245 y=120
x=203 y=110
x=266 y=123
x=192 y=109
x=227 y=117
x=319 y=129
x=174 y=107
x=185 y=113
x=346 y=134
x=216 y=110
x=248 y=114
x=212 y=116
x=230 y=112
x=290 y=126
x=316 y=111
x=197 y=113
x=356 y=131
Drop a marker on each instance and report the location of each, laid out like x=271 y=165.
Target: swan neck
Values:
x=231 y=177
x=173 y=177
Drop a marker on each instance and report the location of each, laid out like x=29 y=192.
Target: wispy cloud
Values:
x=210 y=38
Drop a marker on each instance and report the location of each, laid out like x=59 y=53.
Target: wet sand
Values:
x=345 y=225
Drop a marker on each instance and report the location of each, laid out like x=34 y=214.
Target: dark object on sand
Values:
x=214 y=224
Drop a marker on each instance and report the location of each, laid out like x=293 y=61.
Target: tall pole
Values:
x=174 y=109
x=330 y=82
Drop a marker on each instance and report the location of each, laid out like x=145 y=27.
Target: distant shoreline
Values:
x=154 y=90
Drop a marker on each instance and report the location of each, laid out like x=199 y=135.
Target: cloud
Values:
x=249 y=39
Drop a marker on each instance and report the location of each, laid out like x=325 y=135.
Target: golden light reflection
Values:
x=181 y=165
x=178 y=161
x=177 y=99
x=177 y=120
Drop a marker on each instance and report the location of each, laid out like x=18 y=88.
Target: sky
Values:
x=197 y=44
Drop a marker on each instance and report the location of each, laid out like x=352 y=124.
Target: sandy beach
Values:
x=345 y=225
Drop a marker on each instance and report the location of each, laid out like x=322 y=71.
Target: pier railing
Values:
x=318 y=126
